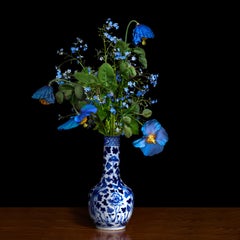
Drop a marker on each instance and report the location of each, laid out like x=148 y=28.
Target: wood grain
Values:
x=166 y=223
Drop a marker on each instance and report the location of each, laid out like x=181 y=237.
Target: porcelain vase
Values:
x=111 y=201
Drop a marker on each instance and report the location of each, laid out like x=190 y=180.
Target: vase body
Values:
x=111 y=201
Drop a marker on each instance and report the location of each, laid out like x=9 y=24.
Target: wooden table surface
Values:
x=163 y=223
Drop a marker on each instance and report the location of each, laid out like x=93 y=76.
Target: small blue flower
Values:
x=153 y=140
x=45 y=95
x=111 y=97
x=141 y=33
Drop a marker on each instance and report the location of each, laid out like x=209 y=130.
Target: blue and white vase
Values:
x=111 y=201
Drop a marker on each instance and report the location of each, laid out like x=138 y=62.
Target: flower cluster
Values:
x=112 y=96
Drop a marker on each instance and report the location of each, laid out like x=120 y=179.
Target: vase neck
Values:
x=111 y=156
x=111 y=141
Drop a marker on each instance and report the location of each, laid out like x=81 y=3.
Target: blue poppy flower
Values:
x=45 y=95
x=71 y=123
x=141 y=33
x=154 y=138
x=86 y=111
x=75 y=121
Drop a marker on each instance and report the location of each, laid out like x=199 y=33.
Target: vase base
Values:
x=111 y=228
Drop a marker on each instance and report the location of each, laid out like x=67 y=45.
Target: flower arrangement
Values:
x=111 y=97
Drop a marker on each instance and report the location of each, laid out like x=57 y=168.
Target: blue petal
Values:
x=71 y=123
x=46 y=93
x=141 y=31
x=86 y=110
x=139 y=143
x=80 y=117
x=89 y=108
x=150 y=127
x=162 y=137
x=152 y=149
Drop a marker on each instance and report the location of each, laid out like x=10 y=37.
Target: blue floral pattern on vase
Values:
x=111 y=201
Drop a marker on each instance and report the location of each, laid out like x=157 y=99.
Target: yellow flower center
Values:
x=151 y=138
x=43 y=101
x=83 y=121
x=144 y=41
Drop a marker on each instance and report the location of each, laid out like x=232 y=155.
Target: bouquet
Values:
x=111 y=95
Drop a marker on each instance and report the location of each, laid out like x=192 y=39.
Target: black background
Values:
x=198 y=167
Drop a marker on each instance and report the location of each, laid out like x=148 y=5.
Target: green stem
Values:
x=58 y=80
x=132 y=21
x=112 y=124
x=71 y=59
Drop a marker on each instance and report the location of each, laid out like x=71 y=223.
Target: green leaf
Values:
x=127 y=70
x=127 y=131
x=66 y=91
x=141 y=56
x=135 y=108
x=106 y=77
x=67 y=94
x=127 y=119
x=101 y=114
x=85 y=79
x=65 y=86
x=59 y=97
x=123 y=46
x=134 y=126
x=147 y=113
x=123 y=67
x=78 y=90
x=143 y=61
x=132 y=72
x=77 y=103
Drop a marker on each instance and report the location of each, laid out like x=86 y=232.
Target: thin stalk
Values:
x=126 y=34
